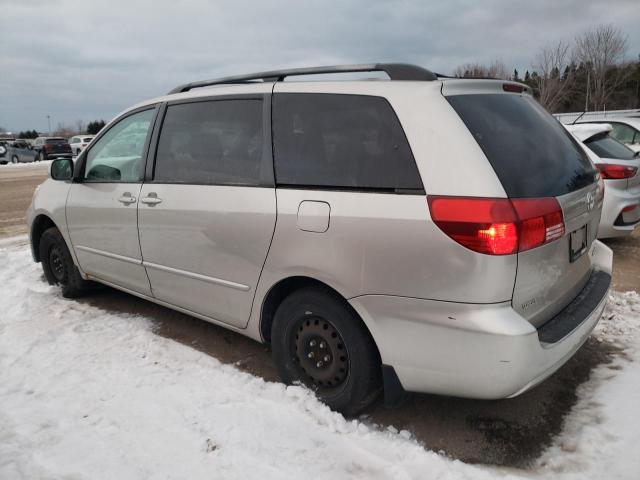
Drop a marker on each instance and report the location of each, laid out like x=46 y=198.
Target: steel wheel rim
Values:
x=320 y=354
x=56 y=263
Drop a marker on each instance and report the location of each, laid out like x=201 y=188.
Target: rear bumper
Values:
x=614 y=201
x=473 y=350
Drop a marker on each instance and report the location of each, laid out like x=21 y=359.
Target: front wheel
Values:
x=58 y=265
x=14 y=159
x=319 y=341
x=41 y=157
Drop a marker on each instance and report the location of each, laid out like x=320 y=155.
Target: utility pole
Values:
x=586 y=98
x=49 y=122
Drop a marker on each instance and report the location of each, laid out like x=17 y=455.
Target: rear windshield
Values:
x=606 y=147
x=531 y=153
x=55 y=141
x=87 y=140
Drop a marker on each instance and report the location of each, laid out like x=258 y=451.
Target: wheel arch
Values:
x=40 y=223
x=285 y=287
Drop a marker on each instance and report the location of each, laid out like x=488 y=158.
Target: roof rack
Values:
x=396 y=71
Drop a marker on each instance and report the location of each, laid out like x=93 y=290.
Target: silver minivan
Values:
x=420 y=233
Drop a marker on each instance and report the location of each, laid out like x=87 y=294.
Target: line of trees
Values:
x=590 y=73
x=64 y=131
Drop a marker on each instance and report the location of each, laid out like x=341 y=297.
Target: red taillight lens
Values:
x=541 y=221
x=47 y=147
x=615 y=172
x=512 y=87
x=498 y=226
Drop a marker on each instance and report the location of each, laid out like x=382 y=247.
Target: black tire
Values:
x=41 y=157
x=14 y=159
x=58 y=265
x=351 y=379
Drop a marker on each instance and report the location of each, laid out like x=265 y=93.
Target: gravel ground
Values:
x=509 y=432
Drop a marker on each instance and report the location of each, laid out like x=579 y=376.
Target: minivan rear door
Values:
x=208 y=209
x=535 y=157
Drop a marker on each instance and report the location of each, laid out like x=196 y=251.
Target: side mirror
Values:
x=61 y=169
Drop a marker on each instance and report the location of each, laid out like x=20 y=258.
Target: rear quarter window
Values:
x=341 y=141
x=530 y=152
x=606 y=147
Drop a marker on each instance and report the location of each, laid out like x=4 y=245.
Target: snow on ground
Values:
x=86 y=393
x=17 y=166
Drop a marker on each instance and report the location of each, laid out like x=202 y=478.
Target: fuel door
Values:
x=313 y=216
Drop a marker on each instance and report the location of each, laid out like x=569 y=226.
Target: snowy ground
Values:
x=15 y=166
x=86 y=393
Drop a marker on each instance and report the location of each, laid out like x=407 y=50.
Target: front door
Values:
x=207 y=217
x=102 y=205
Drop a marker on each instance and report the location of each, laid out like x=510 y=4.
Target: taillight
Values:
x=46 y=147
x=541 y=221
x=512 y=87
x=615 y=172
x=498 y=226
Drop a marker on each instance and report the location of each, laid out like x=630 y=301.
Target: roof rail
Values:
x=396 y=71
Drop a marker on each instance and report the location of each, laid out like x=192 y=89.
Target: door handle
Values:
x=152 y=199
x=126 y=198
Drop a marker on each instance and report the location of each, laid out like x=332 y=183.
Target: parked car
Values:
x=618 y=167
x=624 y=129
x=79 y=143
x=47 y=148
x=433 y=234
x=20 y=151
x=3 y=149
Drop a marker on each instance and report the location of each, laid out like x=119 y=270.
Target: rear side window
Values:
x=606 y=147
x=341 y=141
x=623 y=133
x=211 y=143
x=531 y=153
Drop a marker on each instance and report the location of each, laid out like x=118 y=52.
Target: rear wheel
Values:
x=319 y=341
x=41 y=157
x=58 y=265
x=14 y=159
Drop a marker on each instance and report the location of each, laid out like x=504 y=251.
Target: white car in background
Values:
x=624 y=129
x=79 y=143
x=618 y=167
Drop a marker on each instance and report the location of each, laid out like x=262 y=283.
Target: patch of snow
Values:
x=601 y=436
x=91 y=394
x=26 y=165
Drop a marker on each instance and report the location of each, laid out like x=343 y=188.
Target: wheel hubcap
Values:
x=320 y=353
x=56 y=263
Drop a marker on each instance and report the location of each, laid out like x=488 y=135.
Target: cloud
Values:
x=83 y=60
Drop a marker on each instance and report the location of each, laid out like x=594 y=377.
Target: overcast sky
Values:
x=89 y=60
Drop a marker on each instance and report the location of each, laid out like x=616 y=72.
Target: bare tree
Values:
x=64 y=131
x=600 y=49
x=478 y=70
x=550 y=82
x=80 y=127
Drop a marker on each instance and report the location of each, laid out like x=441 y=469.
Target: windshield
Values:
x=606 y=147
x=531 y=153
